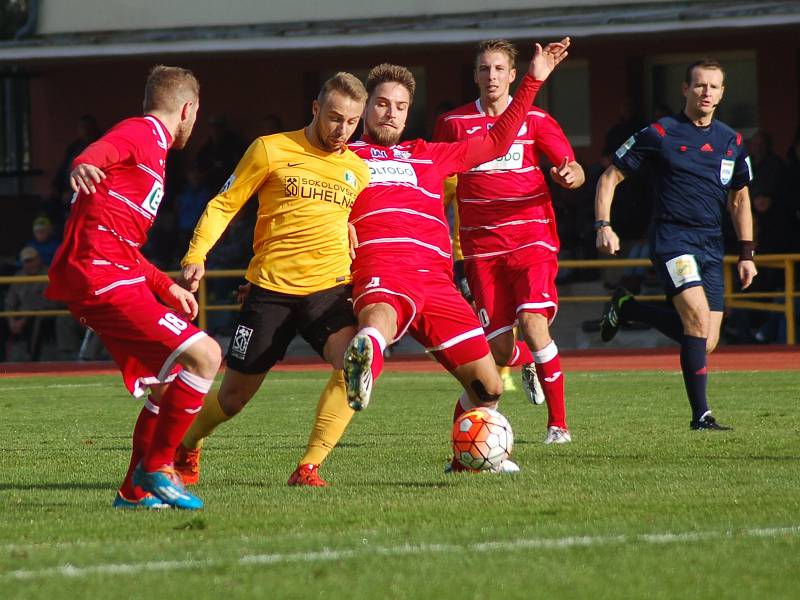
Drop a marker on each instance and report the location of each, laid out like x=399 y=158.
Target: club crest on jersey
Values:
x=401 y=153
x=627 y=145
x=726 y=171
x=290 y=187
x=378 y=153
x=350 y=178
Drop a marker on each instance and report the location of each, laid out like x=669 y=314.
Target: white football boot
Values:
x=358 y=371
x=530 y=383
x=557 y=435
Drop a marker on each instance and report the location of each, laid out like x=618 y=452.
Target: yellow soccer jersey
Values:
x=304 y=199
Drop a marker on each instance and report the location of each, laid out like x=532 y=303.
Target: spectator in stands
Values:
x=767 y=166
x=27 y=333
x=44 y=240
x=220 y=154
x=190 y=204
x=789 y=187
x=88 y=131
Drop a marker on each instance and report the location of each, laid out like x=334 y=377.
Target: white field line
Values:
x=16 y=388
x=326 y=555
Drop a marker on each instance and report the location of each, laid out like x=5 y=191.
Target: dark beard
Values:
x=383 y=137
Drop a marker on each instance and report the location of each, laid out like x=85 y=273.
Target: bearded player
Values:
x=100 y=273
x=306 y=182
x=403 y=280
x=508 y=230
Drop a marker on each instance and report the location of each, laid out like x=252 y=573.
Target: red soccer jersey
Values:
x=399 y=218
x=504 y=204
x=106 y=230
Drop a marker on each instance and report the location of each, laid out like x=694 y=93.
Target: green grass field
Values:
x=636 y=507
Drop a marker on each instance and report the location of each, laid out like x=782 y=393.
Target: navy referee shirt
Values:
x=695 y=168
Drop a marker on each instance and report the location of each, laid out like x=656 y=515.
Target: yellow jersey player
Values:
x=306 y=182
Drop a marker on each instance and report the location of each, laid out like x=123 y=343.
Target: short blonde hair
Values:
x=386 y=73
x=167 y=88
x=345 y=83
x=503 y=46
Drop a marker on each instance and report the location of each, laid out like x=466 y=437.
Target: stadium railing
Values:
x=781 y=301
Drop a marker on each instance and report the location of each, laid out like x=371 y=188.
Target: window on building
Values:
x=15 y=121
x=566 y=97
x=739 y=107
x=13 y=14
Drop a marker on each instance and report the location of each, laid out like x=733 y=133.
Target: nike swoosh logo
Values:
x=293 y=164
x=555 y=376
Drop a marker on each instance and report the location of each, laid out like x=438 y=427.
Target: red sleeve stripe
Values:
x=738 y=139
x=659 y=129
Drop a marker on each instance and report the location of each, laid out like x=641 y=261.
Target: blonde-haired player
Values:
x=307 y=182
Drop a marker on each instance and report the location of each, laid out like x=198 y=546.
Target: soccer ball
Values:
x=482 y=439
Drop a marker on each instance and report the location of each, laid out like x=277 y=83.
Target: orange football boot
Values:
x=307 y=475
x=187 y=464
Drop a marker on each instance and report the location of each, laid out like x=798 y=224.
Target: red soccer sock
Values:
x=142 y=436
x=548 y=369
x=521 y=355
x=463 y=404
x=378 y=346
x=179 y=406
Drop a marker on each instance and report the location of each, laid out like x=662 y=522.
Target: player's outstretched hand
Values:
x=607 y=241
x=191 y=275
x=747 y=272
x=546 y=59
x=182 y=300
x=83 y=178
x=567 y=174
x=353 y=239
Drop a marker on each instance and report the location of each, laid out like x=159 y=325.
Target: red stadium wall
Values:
x=245 y=88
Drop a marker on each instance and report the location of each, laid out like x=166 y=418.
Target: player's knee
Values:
x=711 y=344
x=232 y=402
x=488 y=394
x=208 y=358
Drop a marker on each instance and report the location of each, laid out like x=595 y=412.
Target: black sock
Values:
x=665 y=319
x=695 y=377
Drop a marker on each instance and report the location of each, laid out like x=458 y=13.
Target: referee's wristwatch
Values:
x=599 y=224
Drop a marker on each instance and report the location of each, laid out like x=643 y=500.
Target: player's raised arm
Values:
x=501 y=136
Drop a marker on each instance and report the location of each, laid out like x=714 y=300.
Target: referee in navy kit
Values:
x=700 y=167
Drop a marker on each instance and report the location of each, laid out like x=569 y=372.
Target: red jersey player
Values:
x=99 y=271
x=402 y=272
x=508 y=230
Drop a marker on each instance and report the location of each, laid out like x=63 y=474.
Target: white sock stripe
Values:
x=197 y=383
x=153 y=408
x=546 y=354
x=514 y=356
x=372 y=332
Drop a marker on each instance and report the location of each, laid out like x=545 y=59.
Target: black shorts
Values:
x=269 y=321
x=685 y=258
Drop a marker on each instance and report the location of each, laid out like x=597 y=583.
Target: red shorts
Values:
x=430 y=308
x=143 y=336
x=506 y=285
